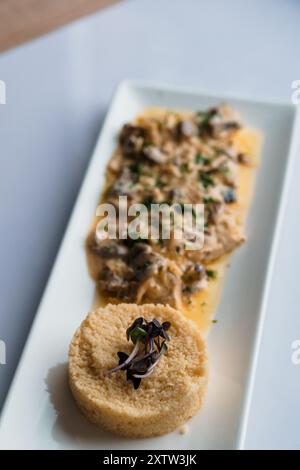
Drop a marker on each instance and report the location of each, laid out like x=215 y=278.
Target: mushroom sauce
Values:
x=171 y=157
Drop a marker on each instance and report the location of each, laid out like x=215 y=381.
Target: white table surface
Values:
x=58 y=89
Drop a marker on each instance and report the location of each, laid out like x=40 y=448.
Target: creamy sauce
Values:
x=203 y=305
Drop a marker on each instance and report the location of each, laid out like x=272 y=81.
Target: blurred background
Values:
x=60 y=61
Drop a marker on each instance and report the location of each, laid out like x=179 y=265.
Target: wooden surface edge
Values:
x=22 y=20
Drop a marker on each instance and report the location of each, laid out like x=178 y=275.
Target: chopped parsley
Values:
x=203 y=117
x=201 y=159
x=209 y=200
x=147 y=264
x=136 y=168
x=223 y=169
x=147 y=144
x=184 y=167
x=206 y=180
x=211 y=273
x=160 y=183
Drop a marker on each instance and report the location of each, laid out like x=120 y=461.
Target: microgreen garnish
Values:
x=137 y=322
x=150 y=343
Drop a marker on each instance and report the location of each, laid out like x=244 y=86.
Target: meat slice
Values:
x=145 y=261
x=221 y=239
x=117 y=278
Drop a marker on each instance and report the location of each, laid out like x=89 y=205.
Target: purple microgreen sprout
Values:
x=127 y=361
x=158 y=356
x=147 y=352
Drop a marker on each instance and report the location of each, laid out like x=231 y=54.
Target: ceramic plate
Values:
x=39 y=412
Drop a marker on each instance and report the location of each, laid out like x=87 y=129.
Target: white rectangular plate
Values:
x=40 y=413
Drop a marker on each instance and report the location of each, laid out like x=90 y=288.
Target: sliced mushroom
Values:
x=132 y=139
x=194 y=278
x=123 y=184
x=218 y=122
x=154 y=154
x=194 y=272
x=213 y=209
x=185 y=129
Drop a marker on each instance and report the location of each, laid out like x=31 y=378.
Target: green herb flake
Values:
x=206 y=180
x=136 y=168
x=214 y=321
x=147 y=144
x=201 y=159
x=146 y=264
x=211 y=274
x=184 y=167
x=160 y=183
x=202 y=116
x=223 y=170
x=209 y=200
